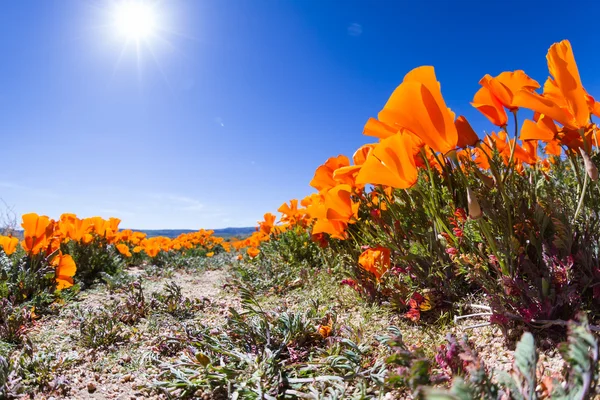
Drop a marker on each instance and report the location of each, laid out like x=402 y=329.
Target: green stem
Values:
x=492 y=243
x=581 y=197
x=509 y=168
x=575 y=169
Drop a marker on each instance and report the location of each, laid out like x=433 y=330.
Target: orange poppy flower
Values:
x=267 y=225
x=418 y=106
x=37 y=232
x=87 y=238
x=362 y=153
x=499 y=92
x=124 y=249
x=253 y=252
x=152 y=250
x=335 y=229
x=466 y=134
x=66 y=225
x=65 y=269
x=347 y=175
x=339 y=204
x=378 y=129
x=564 y=100
x=376 y=261
x=490 y=106
x=544 y=129
x=310 y=200
x=9 y=244
x=112 y=228
x=323 y=178
x=391 y=163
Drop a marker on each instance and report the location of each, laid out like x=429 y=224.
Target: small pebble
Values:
x=91 y=387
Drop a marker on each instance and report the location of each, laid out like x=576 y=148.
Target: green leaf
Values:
x=526 y=361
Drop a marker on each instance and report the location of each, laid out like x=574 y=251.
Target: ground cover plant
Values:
x=350 y=292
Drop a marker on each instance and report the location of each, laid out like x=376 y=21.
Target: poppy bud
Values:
x=590 y=168
x=474 y=208
x=490 y=182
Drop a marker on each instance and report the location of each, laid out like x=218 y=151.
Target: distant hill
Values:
x=224 y=233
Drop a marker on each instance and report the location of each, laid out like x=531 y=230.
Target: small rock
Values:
x=91 y=387
x=126 y=378
x=97 y=377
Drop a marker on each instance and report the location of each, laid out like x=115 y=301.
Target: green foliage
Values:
x=118 y=281
x=135 y=307
x=409 y=367
x=284 y=263
x=532 y=252
x=41 y=371
x=29 y=372
x=248 y=358
x=101 y=329
x=173 y=302
x=25 y=277
x=14 y=321
x=580 y=354
x=93 y=259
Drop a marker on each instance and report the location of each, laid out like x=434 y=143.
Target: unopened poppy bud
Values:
x=590 y=167
x=487 y=181
x=474 y=208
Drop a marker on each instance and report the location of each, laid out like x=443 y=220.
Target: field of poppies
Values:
x=429 y=224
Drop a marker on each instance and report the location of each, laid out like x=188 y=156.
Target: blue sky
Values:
x=227 y=110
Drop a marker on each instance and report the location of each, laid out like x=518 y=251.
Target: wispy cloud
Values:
x=355 y=29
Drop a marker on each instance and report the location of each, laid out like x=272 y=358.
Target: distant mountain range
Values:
x=224 y=232
x=173 y=233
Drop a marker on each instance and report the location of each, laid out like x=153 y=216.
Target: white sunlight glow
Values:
x=135 y=20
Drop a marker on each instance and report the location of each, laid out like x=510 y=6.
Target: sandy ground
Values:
x=123 y=372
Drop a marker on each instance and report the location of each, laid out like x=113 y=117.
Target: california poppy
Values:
x=499 y=92
x=266 y=225
x=323 y=178
x=124 y=249
x=9 y=244
x=375 y=260
x=65 y=269
x=378 y=129
x=466 y=134
x=391 y=163
x=418 y=106
x=253 y=252
x=362 y=153
x=564 y=100
x=339 y=204
x=37 y=232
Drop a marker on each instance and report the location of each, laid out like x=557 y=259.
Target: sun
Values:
x=135 y=20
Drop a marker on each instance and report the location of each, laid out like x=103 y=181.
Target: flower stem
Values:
x=581 y=197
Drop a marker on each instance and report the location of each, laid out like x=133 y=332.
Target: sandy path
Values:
x=123 y=372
